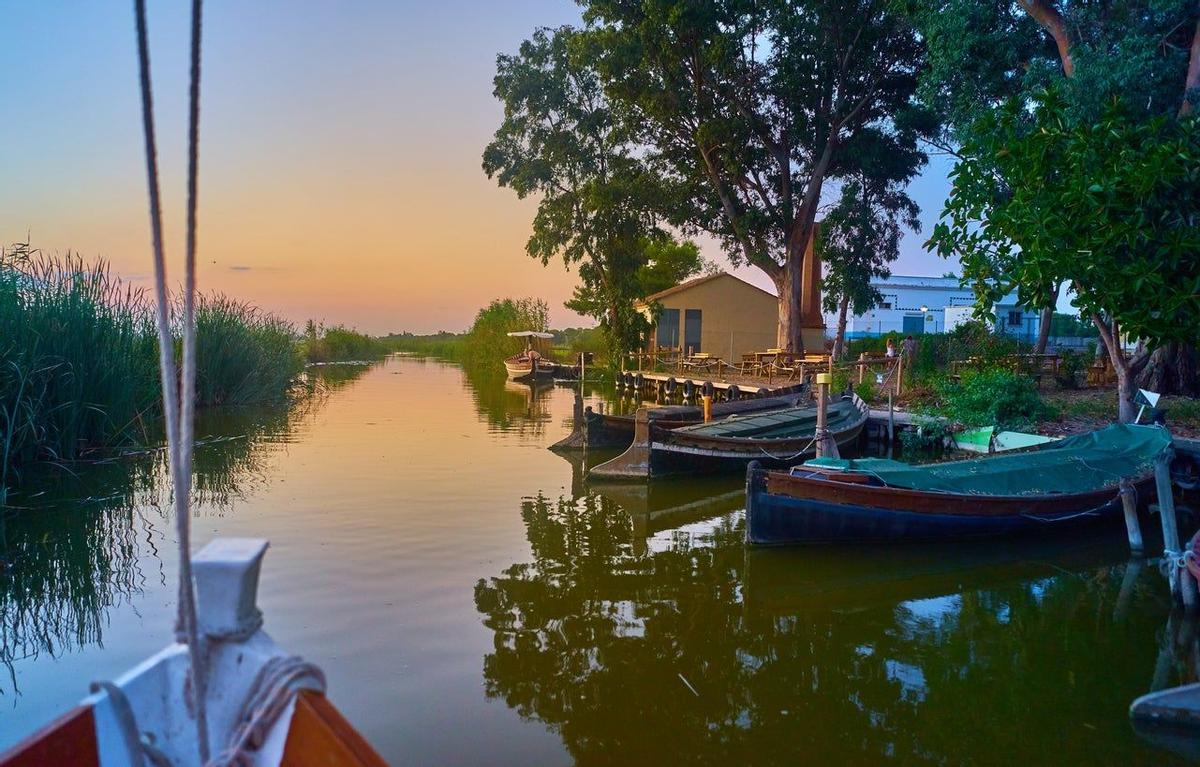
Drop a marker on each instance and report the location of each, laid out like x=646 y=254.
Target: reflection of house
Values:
x=914 y=305
x=718 y=314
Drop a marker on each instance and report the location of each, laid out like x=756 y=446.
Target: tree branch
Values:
x=1193 y=73
x=1045 y=14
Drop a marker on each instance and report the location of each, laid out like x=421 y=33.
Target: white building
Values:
x=914 y=305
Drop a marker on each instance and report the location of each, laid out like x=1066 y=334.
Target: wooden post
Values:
x=899 y=373
x=891 y=422
x=577 y=412
x=825 y=444
x=862 y=367
x=1182 y=584
x=706 y=406
x=1129 y=501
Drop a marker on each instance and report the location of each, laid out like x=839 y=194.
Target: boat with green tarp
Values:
x=1068 y=482
x=778 y=437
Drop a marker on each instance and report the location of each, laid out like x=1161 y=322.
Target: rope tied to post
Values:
x=276 y=683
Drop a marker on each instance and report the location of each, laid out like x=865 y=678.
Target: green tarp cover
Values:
x=777 y=424
x=1072 y=465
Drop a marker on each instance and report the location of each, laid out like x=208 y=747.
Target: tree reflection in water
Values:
x=71 y=540
x=694 y=649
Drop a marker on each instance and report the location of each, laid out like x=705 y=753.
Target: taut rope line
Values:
x=178 y=424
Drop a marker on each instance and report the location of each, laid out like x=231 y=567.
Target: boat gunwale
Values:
x=899 y=499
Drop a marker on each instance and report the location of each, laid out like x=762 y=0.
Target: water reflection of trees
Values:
x=72 y=539
x=507 y=405
x=712 y=653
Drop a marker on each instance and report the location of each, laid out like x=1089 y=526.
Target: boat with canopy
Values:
x=530 y=363
x=1069 y=482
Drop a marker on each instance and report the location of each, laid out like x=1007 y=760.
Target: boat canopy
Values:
x=777 y=424
x=530 y=334
x=1076 y=464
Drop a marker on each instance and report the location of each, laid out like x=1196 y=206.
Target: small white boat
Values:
x=530 y=363
x=988 y=440
x=264 y=707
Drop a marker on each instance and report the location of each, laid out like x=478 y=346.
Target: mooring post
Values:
x=1132 y=527
x=577 y=412
x=1183 y=587
x=706 y=405
x=891 y=422
x=826 y=446
x=862 y=367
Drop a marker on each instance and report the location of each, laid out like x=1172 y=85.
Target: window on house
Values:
x=886 y=305
x=668 y=329
x=1016 y=318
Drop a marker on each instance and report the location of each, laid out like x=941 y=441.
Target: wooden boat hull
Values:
x=783 y=509
x=522 y=368
x=658 y=452
x=318 y=736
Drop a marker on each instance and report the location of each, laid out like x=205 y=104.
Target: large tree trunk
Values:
x=1111 y=339
x=1169 y=369
x=784 y=287
x=839 y=340
x=1044 y=330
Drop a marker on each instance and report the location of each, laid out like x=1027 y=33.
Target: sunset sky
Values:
x=340 y=153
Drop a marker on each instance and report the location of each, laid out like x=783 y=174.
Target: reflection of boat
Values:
x=529 y=363
x=666 y=505
x=784 y=581
x=1072 y=481
x=617 y=429
x=261 y=702
x=778 y=436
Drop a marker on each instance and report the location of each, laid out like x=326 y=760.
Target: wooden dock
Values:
x=727 y=388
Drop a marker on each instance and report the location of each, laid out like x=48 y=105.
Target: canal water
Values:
x=474 y=601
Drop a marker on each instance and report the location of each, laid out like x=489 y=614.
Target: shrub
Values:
x=991 y=397
x=1070 y=365
x=866 y=391
x=488 y=342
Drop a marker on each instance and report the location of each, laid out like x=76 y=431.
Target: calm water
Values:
x=473 y=602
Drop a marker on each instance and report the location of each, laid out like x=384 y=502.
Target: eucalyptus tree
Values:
x=1036 y=79
x=748 y=109
x=859 y=237
x=598 y=203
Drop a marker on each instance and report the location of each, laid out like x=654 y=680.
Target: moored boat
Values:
x=778 y=437
x=530 y=363
x=613 y=430
x=1070 y=482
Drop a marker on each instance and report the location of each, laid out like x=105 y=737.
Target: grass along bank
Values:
x=79 y=359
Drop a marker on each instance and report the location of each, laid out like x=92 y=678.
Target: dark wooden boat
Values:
x=778 y=437
x=615 y=430
x=1057 y=485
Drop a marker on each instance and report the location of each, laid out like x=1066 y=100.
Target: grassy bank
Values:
x=340 y=344
x=79 y=359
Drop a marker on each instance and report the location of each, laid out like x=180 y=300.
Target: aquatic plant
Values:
x=488 y=342
x=244 y=355
x=79 y=360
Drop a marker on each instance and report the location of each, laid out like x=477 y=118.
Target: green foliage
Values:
x=488 y=342
x=859 y=237
x=927 y=434
x=340 y=344
x=747 y=109
x=442 y=345
x=991 y=397
x=1072 y=325
x=935 y=351
x=866 y=391
x=1070 y=366
x=599 y=204
x=244 y=355
x=1110 y=207
x=78 y=360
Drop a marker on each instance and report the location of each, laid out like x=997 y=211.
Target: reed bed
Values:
x=340 y=344
x=79 y=359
